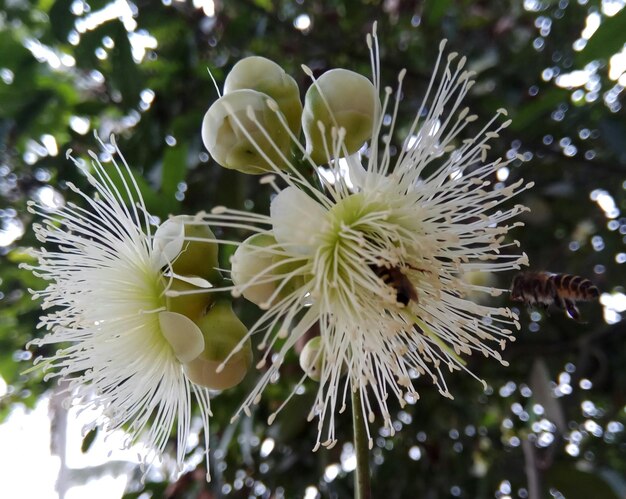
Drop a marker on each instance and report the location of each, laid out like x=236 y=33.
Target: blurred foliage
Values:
x=554 y=418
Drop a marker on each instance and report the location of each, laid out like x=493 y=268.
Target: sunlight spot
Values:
x=502 y=174
x=311 y=492
x=329 y=175
x=49 y=197
x=119 y=9
x=613 y=304
x=267 y=447
x=592 y=23
x=348 y=458
x=302 y=22
x=207 y=6
x=415 y=453
x=606 y=202
x=11 y=231
x=574 y=79
x=612 y=7
x=6 y=75
x=617 y=65
x=331 y=472
x=80 y=124
x=50 y=144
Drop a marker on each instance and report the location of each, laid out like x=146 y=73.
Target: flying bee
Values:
x=398 y=281
x=546 y=288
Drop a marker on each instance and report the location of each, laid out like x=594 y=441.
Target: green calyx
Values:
x=198 y=257
x=222 y=332
x=193 y=305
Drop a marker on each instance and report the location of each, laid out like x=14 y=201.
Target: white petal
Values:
x=356 y=170
x=194 y=280
x=168 y=239
x=297 y=220
x=183 y=335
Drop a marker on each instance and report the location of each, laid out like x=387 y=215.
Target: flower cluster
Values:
x=140 y=333
x=373 y=249
x=368 y=244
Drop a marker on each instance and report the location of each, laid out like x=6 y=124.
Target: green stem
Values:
x=362 y=488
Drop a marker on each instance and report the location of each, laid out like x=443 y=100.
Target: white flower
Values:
x=377 y=258
x=118 y=345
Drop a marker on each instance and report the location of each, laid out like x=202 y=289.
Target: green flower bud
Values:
x=254 y=262
x=198 y=257
x=236 y=142
x=339 y=99
x=265 y=76
x=312 y=358
x=248 y=261
x=187 y=257
x=192 y=305
x=222 y=331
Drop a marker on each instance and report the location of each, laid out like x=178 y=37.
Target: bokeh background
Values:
x=550 y=425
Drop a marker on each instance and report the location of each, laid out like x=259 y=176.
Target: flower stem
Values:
x=362 y=488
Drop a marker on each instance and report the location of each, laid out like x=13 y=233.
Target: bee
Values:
x=546 y=288
x=398 y=281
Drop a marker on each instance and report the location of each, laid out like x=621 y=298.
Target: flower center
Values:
x=362 y=257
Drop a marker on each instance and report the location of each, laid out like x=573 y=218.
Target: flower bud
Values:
x=254 y=263
x=312 y=358
x=339 y=99
x=265 y=76
x=250 y=261
x=235 y=141
x=222 y=331
x=188 y=257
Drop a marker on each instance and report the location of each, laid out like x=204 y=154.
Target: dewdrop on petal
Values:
x=339 y=99
x=312 y=358
x=265 y=76
x=222 y=332
x=237 y=141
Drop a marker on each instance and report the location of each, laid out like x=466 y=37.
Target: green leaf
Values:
x=577 y=484
x=88 y=440
x=606 y=41
x=125 y=75
x=434 y=10
x=265 y=5
x=174 y=169
x=61 y=19
x=613 y=133
x=538 y=110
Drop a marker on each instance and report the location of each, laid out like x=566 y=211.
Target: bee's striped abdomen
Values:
x=545 y=288
x=575 y=287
